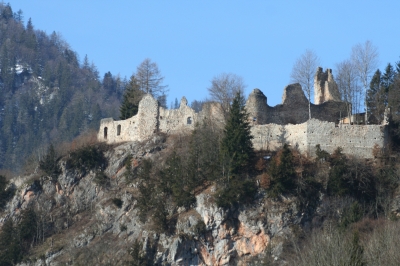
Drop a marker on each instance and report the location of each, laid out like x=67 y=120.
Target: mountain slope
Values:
x=46 y=94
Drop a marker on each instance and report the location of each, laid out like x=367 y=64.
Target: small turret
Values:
x=325 y=87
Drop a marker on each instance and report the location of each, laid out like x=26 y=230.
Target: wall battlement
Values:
x=271 y=126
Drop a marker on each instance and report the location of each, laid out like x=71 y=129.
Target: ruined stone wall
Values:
x=293 y=110
x=109 y=130
x=273 y=136
x=325 y=87
x=177 y=120
x=256 y=106
x=285 y=123
x=147 y=117
x=151 y=118
x=355 y=140
x=136 y=128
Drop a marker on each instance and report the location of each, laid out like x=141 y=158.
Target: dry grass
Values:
x=379 y=241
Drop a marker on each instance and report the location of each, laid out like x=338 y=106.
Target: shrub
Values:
x=101 y=179
x=123 y=227
x=160 y=220
x=322 y=155
x=239 y=190
x=128 y=162
x=337 y=184
x=351 y=214
x=117 y=202
x=49 y=163
x=87 y=158
x=200 y=228
x=351 y=177
x=330 y=247
x=10 y=248
x=282 y=173
x=5 y=194
x=265 y=180
x=138 y=254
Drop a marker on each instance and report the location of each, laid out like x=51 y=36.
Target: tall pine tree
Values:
x=130 y=101
x=376 y=96
x=236 y=154
x=236 y=146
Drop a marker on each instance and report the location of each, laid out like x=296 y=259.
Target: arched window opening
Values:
x=105 y=132
x=189 y=120
x=118 y=130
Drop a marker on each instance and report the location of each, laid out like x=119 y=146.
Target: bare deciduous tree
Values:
x=224 y=88
x=303 y=72
x=365 y=60
x=346 y=78
x=150 y=80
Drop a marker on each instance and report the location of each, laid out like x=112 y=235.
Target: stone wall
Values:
x=182 y=119
x=271 y=126
x=325 y=87
x=151 y=118
x=293 y=110
x=358 y=141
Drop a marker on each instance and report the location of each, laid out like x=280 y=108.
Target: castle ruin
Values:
x=272 y=126
x=325 y=87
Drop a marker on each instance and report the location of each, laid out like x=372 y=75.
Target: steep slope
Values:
x=83 y=221
x=46 y=94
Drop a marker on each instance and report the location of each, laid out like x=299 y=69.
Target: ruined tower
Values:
x=325 y=87
x=256 y=106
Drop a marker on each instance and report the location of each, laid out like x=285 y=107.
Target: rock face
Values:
x=325 y=87
x=85 y=227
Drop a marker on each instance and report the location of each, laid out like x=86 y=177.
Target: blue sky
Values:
x=193 y=41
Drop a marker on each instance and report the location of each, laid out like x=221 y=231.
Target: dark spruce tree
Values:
x=376 y=97
x=236 y=155
x=49 y=163
x=236 y=146
x=131 y=98
x=282 y=173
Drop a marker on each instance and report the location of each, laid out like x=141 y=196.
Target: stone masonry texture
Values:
x=272 y=126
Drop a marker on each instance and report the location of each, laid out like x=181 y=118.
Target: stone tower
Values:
x=325 y=87
x=256 y=106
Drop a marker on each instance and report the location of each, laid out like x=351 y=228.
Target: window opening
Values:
x=105 y=132
x=189 y=120
x=118 y=130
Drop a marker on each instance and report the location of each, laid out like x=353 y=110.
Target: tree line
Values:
x=47 y=95
x=364 y=87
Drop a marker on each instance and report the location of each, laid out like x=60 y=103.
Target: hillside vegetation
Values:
x=199 y=198
x=47 y=94
x=205 y=199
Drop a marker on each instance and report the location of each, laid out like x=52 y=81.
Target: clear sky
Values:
x=192 y=41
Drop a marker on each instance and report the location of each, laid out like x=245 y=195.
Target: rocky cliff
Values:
x=82 y=224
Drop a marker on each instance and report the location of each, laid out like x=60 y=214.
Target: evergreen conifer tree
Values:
x=131 y=98
x=376 y=96
x=176 y=105
x=236 y=146
x=10 y=250
x=49 y=163
x=283 y=173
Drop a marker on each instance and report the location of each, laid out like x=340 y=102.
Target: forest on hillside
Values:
x=47 y=94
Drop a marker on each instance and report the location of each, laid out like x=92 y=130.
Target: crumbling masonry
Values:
x=271 y=126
